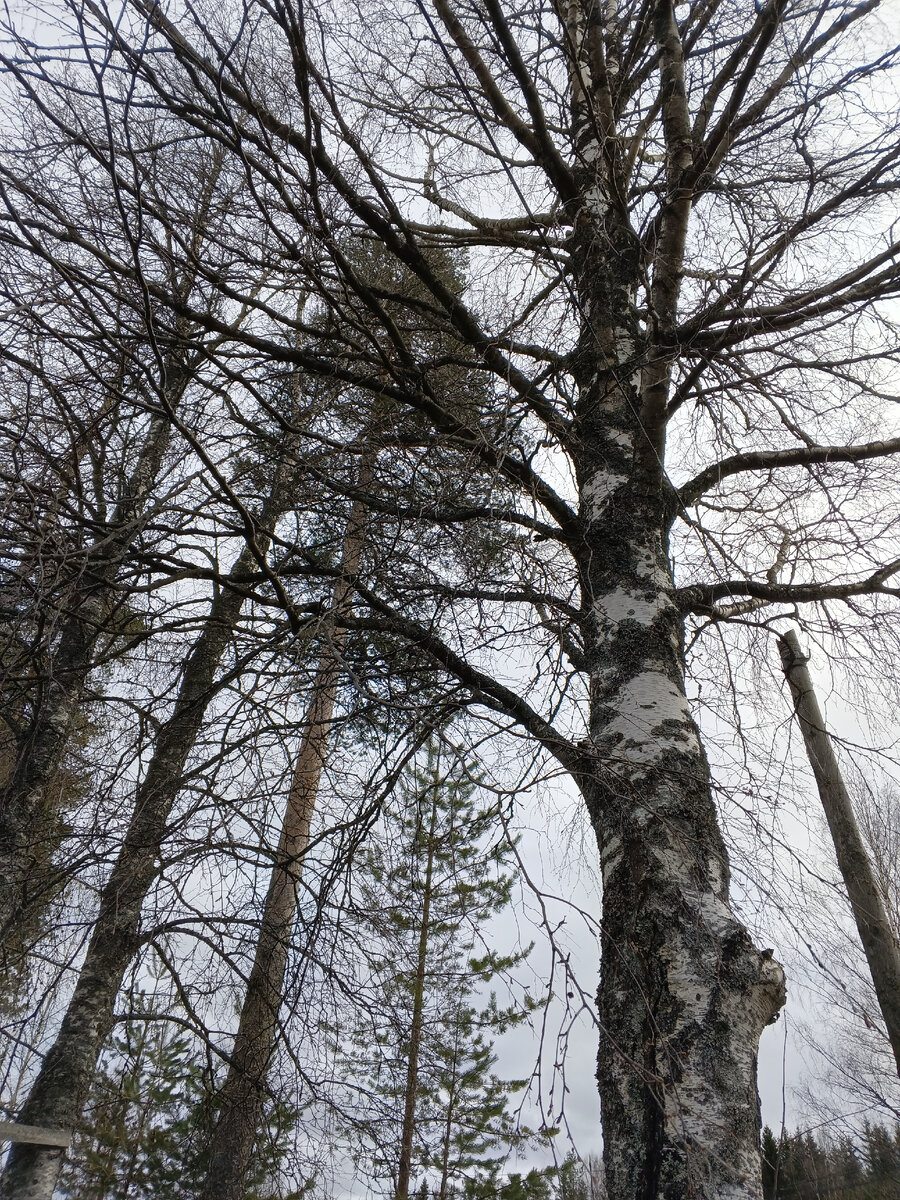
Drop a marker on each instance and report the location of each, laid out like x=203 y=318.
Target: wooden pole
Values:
x=35 y=1135
x=876 y=935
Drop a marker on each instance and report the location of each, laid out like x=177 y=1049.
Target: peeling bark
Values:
x=684 y=994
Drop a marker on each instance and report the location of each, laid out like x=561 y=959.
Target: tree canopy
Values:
x=587 y=307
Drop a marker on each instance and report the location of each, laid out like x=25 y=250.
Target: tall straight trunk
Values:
x=878 y=938
x=242 y=1095
x=59 y=1093
x=411 y=1086
x=448 y=1123
x=27 y=815
x=684 y=995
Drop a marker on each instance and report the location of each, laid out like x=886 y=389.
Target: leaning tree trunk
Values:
x=243 y=1093
x=875 y=933
x=59 y=1093
x=684 y=994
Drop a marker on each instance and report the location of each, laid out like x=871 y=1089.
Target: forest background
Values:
x=379 y=380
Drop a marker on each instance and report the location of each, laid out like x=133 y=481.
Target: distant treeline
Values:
x=804 y=1166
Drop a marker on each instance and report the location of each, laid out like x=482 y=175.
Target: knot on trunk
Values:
x=772 y=988
x=760 y=979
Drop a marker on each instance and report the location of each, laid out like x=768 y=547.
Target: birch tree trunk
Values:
x=684 y=994
x=875 y=933
x=61 y=1088
x=243 y=1093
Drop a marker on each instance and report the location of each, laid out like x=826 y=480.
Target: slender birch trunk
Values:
x=27 y=815
x=875 y=933
x=411 y=1088
x=243 y=1093
x=684 y=995
x=59 y=1093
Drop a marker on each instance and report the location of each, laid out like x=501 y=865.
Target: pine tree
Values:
x=139 y=1136
x=535 y=1185
x=421 y=1050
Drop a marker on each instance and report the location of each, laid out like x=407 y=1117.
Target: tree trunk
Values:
x=684 y=995
x=411 y=1087
x=875 y=933
x=60 y=1091
x=243 y=1093
x=448 y=1124
x=27 y=816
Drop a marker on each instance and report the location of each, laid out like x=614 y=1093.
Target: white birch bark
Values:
x=684 y=994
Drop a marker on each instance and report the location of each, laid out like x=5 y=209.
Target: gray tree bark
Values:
x=59 y=1093
x=27 y=815
x=684 y=994
x=875 y=932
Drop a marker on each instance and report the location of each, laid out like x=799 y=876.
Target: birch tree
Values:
x=681 y=229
